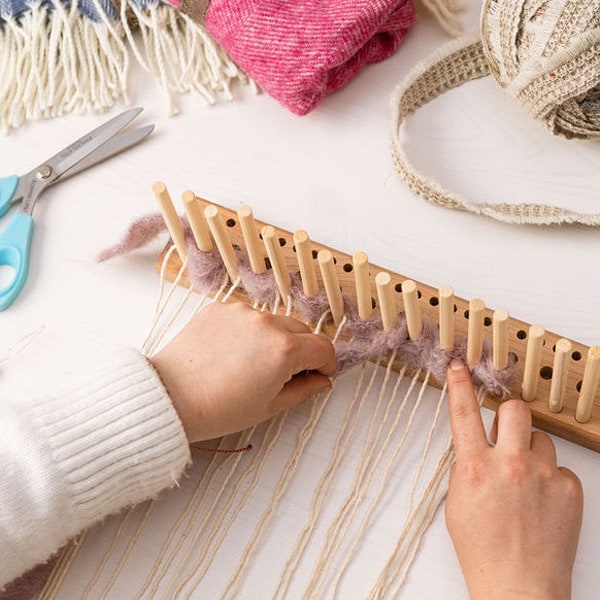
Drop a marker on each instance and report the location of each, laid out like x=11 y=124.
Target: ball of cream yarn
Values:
x=546 y=54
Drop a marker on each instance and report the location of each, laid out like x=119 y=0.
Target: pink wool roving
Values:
x=299 y=52
x=141 y=232
x=366 y=339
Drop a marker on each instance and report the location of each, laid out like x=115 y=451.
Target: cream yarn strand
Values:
x=198 y=569
x=305 y=434
x=349 y=423
x=344 y=517
x=391 y=464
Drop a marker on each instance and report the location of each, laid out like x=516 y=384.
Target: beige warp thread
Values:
x=546 y=55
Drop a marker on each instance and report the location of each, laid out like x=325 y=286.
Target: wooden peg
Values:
x=446 y=317
x=387 y=301
x=589 y=385
x=221 y=237
x=253 y=246
x=412 y=310
x=533 y=357
x=171 y=218
x=364 y=300
x=500 y=339
x=308 y=273
x=560 y=372
x=281 y=274
x=475 y=331
x=197 y=222
x=332 y=285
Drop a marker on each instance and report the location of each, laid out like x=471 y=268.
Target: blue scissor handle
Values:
x=8 y=186
x=15 y=242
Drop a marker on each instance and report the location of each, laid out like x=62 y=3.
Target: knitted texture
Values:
x=301 y=51
x=106 y=440
x=546 y=55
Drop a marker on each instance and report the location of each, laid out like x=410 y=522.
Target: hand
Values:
x=513 y=515
x=232 y=367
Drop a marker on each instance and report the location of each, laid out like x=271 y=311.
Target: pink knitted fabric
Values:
x=300 y=51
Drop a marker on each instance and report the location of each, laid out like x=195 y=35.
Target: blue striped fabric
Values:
x=17 y=9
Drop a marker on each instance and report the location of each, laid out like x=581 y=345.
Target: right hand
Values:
x=513 y=515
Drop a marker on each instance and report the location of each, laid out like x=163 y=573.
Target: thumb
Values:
x=300 y=388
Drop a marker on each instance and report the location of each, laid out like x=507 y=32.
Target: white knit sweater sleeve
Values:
x=108 y=439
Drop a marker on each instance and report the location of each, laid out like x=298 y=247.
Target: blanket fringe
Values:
x=55 y=61
x=180 y=55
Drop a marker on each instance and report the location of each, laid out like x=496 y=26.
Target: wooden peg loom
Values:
x=556 y=376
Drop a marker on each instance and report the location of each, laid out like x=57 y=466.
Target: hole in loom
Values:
x=576 y=355
x=267 y=262
x=578 y=386
x=554 y=348
x=455 y=308
x=348 y=268
x=521 y=334
x=293 y=248
x=315 y=254
x=419 y=295
x=467 y=314
x=398 y=288
x=373 y=303
x=230 y=222
x=433 y=301
x=513 y=358
x=334 y=260
x=282 y=242
x=487 y=321
x=546 y=372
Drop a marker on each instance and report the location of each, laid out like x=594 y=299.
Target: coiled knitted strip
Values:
x=546 y=55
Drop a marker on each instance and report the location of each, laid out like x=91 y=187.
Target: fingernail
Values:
x=456 y=364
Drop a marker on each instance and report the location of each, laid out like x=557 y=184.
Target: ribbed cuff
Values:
x=115 y=437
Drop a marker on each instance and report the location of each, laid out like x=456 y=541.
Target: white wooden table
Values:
x=330 y=173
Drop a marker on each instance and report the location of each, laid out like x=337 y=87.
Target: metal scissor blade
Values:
x=78 y=150
x=115 y=145
x=118 y=143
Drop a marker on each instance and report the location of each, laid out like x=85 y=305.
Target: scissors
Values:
x=15 y=240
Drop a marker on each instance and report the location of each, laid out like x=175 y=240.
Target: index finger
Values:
x=468 y=432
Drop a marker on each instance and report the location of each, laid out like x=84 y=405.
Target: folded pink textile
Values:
x=300 y=51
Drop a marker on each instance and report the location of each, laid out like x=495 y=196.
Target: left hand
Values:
x=232 y=367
